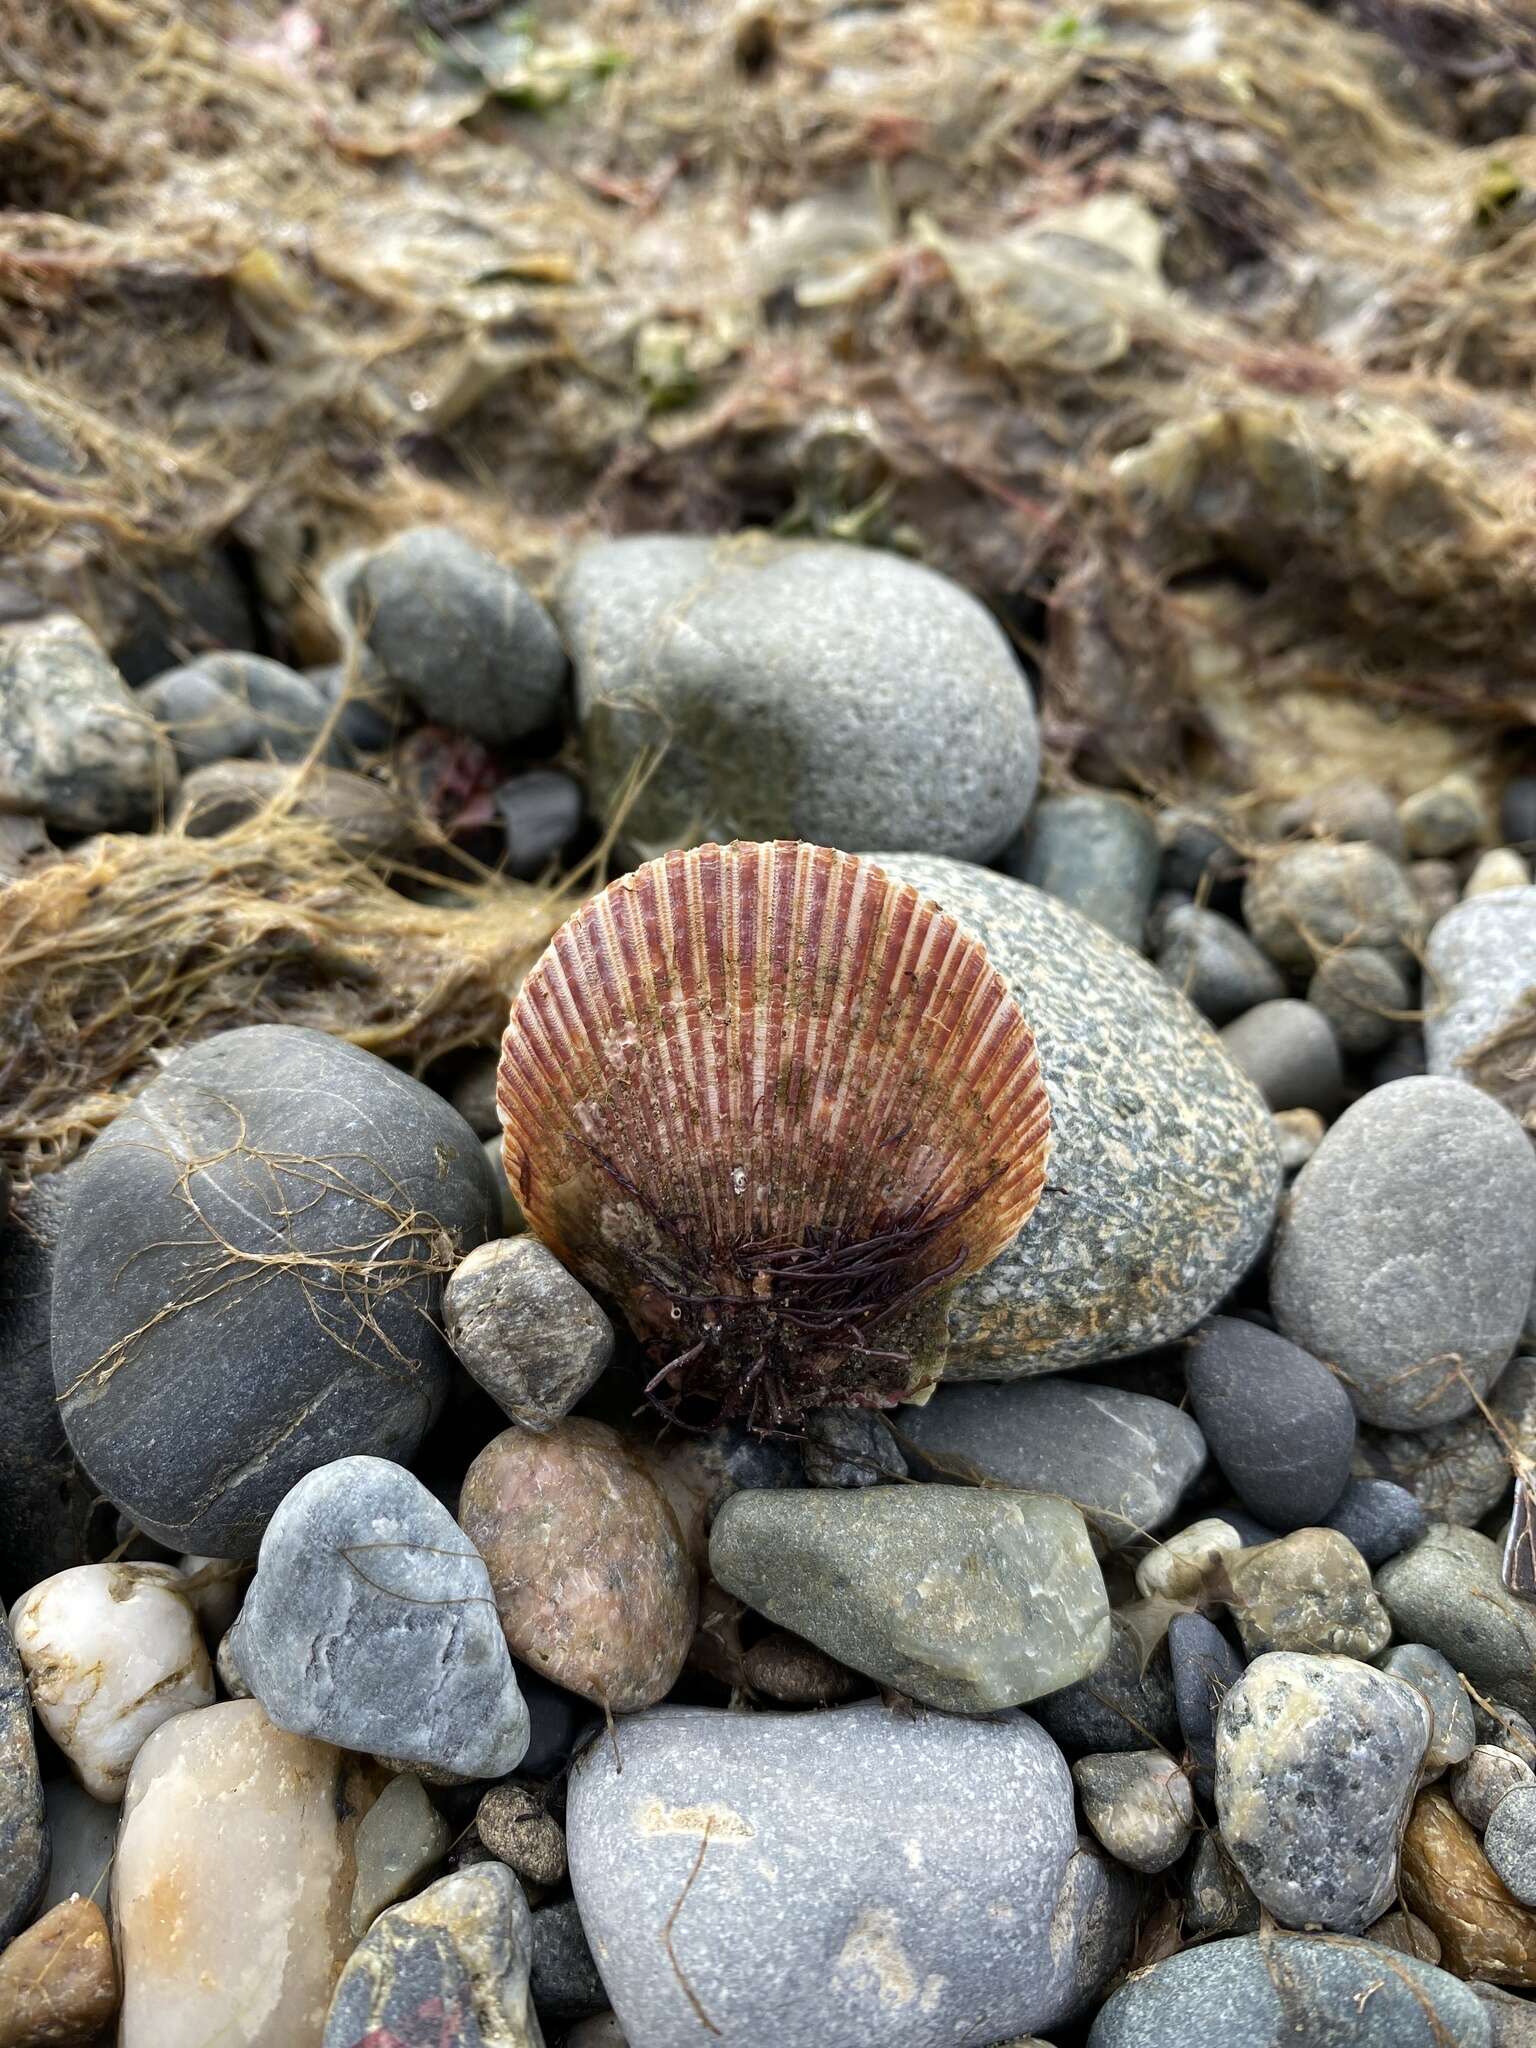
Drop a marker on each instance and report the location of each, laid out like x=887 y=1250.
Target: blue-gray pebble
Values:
x=1205 y=1667
x=1278 y=1423
x=1095 y=850
x=1379 y=1517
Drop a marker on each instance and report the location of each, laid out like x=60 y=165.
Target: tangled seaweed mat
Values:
x=118 y=956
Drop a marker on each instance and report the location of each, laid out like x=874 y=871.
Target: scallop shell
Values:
x=775 y=1105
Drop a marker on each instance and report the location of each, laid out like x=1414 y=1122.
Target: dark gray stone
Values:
x=1309 y=900
x=23 y=1821
x=1457 y=1473
x=1452 y=1733
x=850 y=1447
x=965 y=1598
x=1278 y=1423
x=447 y=1969
x=1351 y=808
x=526 y=1330
x=46 y=1501
x=1317 y=1762
x=1401 y=1060
x=1364 y=996
x=1127 y=1460
x=1288 y=1051
x=852 y=1865
x=1097 y=852
x=1211 y=960
x=76 y=747
x=541 y=814
x=558 y=1721
x=371 y=1624
x=184 y=609
x=1379 y=1517
x=1480 y=969
x=1445 y=819
x=1205 y=1667
x=1517 y=810
x=1513 y=2019
x=1509 y=1841
x=1449 y=1592
x=1195 y=854
x=1407 y=1246
x=800 y=690
x=458 y=632
x=1163 y=1176
x=248 y=1278
x=1217 y=1897
x=1292 y=1991
x=226 y=706
x=566 y=1985
x=1125 y=1704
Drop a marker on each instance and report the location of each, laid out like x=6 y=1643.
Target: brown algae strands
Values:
x=776 y=1104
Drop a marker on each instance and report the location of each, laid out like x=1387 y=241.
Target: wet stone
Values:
x=1278 y=1423
x=58 y=1981
x=1434 y=1679
x=1446 y=1879
x=400 y=1838
x=964 y=1598
x=370 y=1624
x=1380 y=1518
x=850 y=1447
x=1317 y=1761
x=447 y=1969
x=515 y=1824
x=1509 y=1841
x=1288 y=1051
x=1448 y=1591
x=1211 y=960
x=1139 y=1804
x=1311 y=1591
x=1477 y=1785
x=1125 y=1703
x=526 y=1330
x=1097 y=852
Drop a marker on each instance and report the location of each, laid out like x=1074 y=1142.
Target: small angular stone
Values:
x=1408 y=1934
x=447 y=1969
x=1212 y=960
x=796 y=1674
x=515 y=1824
x=370 y=1624
x=1278 y=1423
x=1311 y=1591
x=1477 y=1785
x=850 y=1447
x=58 y=1981
x=1298 y=1133
x=1217 y=1897
x=1450 y=1711
x=590 y=1571
x=110 y=1651
x=526 y=1330
x=965 y=1598
x=399 y=1839
x=77 y=748
x=1509 y=1841
x=1139 y=1804
x=1179 y=1567
x=1379 y=1518
x=1317 y=1759
x=1458 y=1472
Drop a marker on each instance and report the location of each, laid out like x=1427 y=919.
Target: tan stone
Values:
x=1310 y=1592
x=232 y=1888
x=1445 y=1879
x=58 y=1983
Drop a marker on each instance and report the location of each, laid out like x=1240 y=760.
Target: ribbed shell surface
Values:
x=767 y=1044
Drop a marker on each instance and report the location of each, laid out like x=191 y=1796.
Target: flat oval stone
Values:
x=1097 y=851
x=1292 y=1991
x=965 y=1598
x=1449 y=1592
x=214 y=1798
x=1407 y=1249
x=371 y=1624
x=1480 y=1782
x=862 y=1876
x=248 y=1278
x=1163 y=1177
x=1509 y=1842
x=1278 y=1423
x=1126 y=1460
x=1317 y=1762
x=588 y=1565
x=1378 y=1517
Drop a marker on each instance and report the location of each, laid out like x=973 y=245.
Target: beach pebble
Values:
x=1217 y=1897
x=1278 y=1423
x=77 y=749
x=1407 y=1241
x=1434 y=1679
x=1138 y=1803
x=1306 y=901
x=964 y=1598
x=864 y=1876
x=1448 y=1591
x=794 y=1672
x=1125 y=1703
x=458 y=633
x=23 y=1823
x=1517 y=810
x=1125 y=1459
x=1288 y=1051
x=1505 y=1727
x=541 y=812
x=223 y=706
x=526 y=1330
x=566 y=1984
x=1478 y=971
x=446 y=1969
x=1096 y=851
x=1204 y=1667
x=1351 y=808
x=1500 y=868
x=1211 y=960
x=366 y=818
x=275 y=1196
x=400 y=1838
x=110 y=1651
x=214 y=1798
x=370 y=1624
x=515 y=1824
x=1509 y=1841
x=1444 y=819
x=1128 y=1246
x=589 y=1568
x=1311 y=1591
x=1317 y=1760
x=1478 y=1783
x=1363 y=994
x=82 y=1834
x=215 y=1586
x=1407 y=1934
x=1298 y=1133
x=1279 y=1990
x=795 y=689
x=1179 y=1567
x=850 y=1447
x=1446 y=1879
x=58 y=1981
x=1457 y=1473
x=184 y=607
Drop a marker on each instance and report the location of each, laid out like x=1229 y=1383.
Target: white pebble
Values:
x=1502 y=868
x=1176 y=1569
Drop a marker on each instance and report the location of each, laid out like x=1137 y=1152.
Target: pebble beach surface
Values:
x=400 y=1652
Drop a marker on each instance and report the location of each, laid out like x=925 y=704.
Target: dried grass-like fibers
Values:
x=139 y=945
